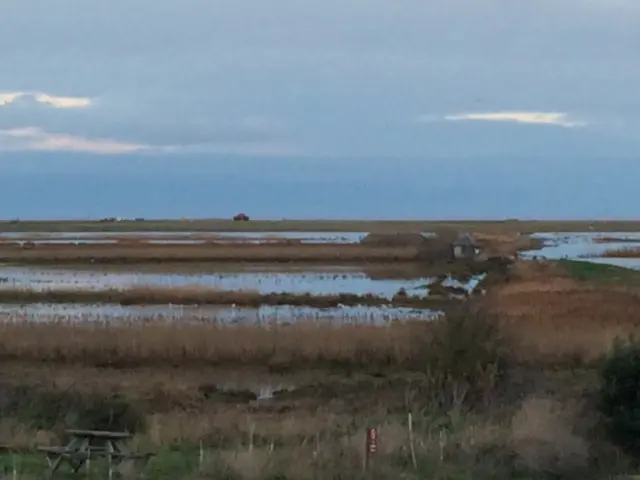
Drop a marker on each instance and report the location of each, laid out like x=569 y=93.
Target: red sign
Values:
x=372 y=441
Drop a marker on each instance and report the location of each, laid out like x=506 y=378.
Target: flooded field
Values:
x=265 y=314
x=268 y=278
x=181 y=237
x=330 y=281
x=587 y=246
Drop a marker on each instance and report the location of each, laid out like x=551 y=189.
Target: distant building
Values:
x=466 y=247
x=241 y=217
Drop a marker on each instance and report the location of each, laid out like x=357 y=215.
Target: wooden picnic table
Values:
x=85 y=444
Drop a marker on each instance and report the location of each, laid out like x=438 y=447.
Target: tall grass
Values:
x=552 y=316
x=460 y=348
x=134 y=344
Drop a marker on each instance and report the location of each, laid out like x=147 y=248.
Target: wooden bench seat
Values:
x=97 y=452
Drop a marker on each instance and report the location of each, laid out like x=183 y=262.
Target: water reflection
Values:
x=583 y=246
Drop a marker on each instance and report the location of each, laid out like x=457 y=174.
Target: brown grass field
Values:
x=552 y=318
x=212 y=225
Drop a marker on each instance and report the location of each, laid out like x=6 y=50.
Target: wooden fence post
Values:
x=412 y=443
x=442 y=442
x=252 y=430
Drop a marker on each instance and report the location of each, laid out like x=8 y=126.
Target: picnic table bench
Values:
x=85 y=444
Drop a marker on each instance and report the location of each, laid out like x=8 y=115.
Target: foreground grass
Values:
x=536 y=442
x=476 y=414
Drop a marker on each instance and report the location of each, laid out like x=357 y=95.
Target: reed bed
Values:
x=195 y=295
x=628 y=252
x=134 y=344
x=614 y=239
x=550 y=318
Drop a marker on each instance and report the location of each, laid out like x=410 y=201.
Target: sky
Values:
x=411 y=81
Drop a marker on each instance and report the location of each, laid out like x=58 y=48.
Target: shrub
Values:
x=43 y=408
x=467 y=357
x=619 y=394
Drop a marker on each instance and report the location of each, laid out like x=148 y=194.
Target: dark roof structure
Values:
x=465 y=240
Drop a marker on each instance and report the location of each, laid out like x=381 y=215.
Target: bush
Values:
x=619 y=394
x=41 y=408
x=467 y=357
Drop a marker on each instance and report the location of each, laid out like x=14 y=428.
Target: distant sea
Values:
x=58 y=185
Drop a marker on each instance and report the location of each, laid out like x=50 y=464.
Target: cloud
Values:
x=34 y=138
x=559 y=119
x=126 y=123
x=56 y=101
x=8 y=97
x=332 y=77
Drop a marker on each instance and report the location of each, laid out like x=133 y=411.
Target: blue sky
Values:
x=336 y=78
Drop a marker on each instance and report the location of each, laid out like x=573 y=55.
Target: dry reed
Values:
x=614 y=239
x=628 y=252
x=134 y=344
x=550 y=318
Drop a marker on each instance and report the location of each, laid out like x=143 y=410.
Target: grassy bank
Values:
x=535 y=441
x=599 y=273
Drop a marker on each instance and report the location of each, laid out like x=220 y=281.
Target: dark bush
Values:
x=41 y=408
x=113 y=413
x=467 y=357
x=619 y=394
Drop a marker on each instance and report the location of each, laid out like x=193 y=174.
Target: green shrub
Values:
x=619 y=395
